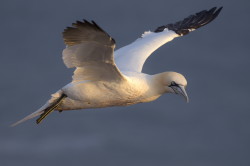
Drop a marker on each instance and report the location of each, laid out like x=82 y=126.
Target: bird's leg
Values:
x=51 y=108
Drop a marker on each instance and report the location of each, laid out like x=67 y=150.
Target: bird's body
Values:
x=104 y=78
x=87 y=94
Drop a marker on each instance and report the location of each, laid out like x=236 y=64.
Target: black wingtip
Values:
x=71 y=34
x=96 y=25
x=192 y=22
x=214 y=13
x=218 y=11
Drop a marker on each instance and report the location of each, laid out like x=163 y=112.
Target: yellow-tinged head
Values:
x=173 y=83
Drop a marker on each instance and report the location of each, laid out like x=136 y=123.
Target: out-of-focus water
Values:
x=213 y=129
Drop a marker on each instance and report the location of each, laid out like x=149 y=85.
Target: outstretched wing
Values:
x=133 y=56
x=91 y=50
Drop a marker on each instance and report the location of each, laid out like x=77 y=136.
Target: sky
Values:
x=212 y=129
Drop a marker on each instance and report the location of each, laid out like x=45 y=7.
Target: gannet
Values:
x=105 y=78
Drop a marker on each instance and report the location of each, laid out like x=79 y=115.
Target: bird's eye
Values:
x=173 y=83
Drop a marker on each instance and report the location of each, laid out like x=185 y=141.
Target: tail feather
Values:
x=41 y=110
x=33 y=115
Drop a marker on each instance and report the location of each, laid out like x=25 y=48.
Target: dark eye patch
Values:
x=173 y=84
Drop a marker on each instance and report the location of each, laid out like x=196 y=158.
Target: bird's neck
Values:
x=158 y=83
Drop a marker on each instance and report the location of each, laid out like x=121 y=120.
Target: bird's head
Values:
x=174 y=83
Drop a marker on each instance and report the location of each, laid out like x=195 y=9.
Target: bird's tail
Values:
x=51 y=105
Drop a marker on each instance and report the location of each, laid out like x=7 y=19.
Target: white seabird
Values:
x=104 y=78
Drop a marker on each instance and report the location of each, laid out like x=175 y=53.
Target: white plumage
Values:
x=104 y=78
x=133 y=56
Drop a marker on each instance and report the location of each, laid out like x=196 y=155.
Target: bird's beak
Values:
x=179 y=89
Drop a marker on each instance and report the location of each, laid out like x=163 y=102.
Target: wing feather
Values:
x=192 y=22
x=133 y=56
x=84 y=32
x=91 y=50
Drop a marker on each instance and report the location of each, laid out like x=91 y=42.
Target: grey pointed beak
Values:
x=179 y=89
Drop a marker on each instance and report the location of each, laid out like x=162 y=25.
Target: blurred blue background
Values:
x=213 y=129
